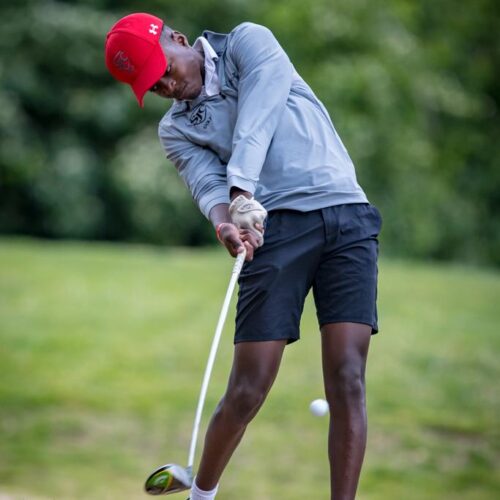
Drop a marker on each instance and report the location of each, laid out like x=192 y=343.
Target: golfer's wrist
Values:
x=219 y=227
x=235 y=192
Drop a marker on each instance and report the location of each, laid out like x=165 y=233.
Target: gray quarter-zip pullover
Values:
x=266 y=132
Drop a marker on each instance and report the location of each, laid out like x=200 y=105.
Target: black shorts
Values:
x=334 y=250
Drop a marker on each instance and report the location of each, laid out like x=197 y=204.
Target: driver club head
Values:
x=169 y=478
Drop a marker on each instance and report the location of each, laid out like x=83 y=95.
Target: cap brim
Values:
x=153 y=70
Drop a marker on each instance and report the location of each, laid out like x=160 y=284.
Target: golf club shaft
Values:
x=240 y=259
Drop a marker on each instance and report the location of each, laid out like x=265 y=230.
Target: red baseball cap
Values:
x=134 y=54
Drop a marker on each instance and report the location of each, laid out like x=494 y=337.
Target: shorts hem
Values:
x=374 y=327
x=289 y=340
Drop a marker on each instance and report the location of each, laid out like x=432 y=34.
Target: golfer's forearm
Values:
x=219 y=213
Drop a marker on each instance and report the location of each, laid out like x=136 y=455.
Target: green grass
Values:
x=102 y=351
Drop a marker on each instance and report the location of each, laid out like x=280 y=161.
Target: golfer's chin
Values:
x=191 y=93
x=188 y=93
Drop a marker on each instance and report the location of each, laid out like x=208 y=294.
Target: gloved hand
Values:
x=248 y=214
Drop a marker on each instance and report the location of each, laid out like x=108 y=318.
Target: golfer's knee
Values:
x=346 y=383
x=243 y=401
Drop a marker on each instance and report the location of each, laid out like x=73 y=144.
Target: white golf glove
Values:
x=245 y=213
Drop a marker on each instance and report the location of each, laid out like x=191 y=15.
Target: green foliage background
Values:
x=411 y=87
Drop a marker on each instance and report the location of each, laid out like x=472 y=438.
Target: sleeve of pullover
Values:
x=200 y=169
x=265 y=78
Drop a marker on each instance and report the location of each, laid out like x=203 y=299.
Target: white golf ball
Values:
x=319 y=407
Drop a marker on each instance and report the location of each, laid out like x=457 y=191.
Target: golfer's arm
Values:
x=265 y=78
x=201 y=170
x=219 y=214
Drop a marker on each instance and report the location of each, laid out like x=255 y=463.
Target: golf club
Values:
x=171 y=478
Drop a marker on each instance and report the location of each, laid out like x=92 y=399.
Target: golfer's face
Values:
x=182 y=79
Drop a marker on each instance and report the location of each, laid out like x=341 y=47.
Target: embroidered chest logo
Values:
x=200 y=116
x=122 y=62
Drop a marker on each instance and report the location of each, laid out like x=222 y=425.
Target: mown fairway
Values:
x=102 y=351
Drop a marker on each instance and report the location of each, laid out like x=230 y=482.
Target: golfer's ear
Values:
x=179 y=38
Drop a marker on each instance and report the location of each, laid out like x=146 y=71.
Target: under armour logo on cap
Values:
x=153 y=29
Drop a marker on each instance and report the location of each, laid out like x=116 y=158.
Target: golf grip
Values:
x=240 y=259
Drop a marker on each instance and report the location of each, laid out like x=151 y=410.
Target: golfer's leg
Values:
x=344 y=352
x=255 y=366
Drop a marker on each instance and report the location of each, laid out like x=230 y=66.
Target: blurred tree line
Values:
x=412 y=88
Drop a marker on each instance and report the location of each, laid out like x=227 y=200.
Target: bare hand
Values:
x=236 y=240
x=251 y=239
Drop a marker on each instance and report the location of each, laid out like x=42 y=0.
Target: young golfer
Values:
x=264 y=163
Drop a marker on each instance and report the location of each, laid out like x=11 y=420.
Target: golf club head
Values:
x=169 y=478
